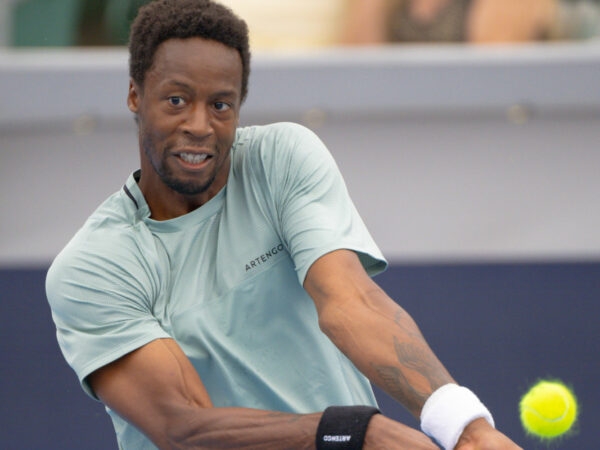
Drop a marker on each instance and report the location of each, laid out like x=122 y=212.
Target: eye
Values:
x=222 y=106
x=176 y=101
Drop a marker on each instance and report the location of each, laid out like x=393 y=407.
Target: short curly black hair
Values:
x=161 y=20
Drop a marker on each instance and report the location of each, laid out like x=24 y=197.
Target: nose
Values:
x=198 y=122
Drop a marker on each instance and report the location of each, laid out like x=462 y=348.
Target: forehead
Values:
x=197 y=60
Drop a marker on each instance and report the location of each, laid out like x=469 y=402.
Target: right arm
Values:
x=157 y=389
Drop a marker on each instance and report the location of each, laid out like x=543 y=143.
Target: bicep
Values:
x=151 y=387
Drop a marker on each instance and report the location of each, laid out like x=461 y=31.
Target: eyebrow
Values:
x=180 y=84
x=183 y=85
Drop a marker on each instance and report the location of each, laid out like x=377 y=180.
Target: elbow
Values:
x=332 y=324
x=188 y=427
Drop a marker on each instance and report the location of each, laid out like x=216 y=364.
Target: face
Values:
x=188 y=111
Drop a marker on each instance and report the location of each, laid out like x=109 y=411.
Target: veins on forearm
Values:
x=286 y=417
x=418 y=372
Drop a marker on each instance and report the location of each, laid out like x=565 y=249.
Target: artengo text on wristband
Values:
x=337 y=438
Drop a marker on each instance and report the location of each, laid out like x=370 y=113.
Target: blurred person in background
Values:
x=307 y=24
x=476 y=21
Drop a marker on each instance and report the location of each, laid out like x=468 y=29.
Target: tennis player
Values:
x=222 y=297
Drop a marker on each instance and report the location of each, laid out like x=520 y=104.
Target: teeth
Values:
x=193 y=158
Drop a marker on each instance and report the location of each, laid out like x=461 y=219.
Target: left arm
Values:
x=351 y=306
x=382 y=340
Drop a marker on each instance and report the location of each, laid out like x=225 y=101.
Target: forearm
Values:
x=384 y=343
x=240 y=428
x=157 y=389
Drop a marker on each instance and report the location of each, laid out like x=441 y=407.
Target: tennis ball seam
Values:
x=541 y=404
x=566 y=410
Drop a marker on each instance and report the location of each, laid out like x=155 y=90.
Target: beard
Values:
x=165 y=173
x=183 y=187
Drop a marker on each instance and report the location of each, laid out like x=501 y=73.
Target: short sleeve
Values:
x=315 y=212
x=101 y=294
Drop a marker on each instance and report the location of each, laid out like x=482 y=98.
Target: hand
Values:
x=480 y=435
x=384 y=433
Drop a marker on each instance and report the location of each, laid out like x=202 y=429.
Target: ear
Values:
x=133 y=97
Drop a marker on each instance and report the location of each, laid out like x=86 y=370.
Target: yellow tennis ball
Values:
x=548 y=410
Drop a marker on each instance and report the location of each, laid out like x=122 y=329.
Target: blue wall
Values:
x=497 y=327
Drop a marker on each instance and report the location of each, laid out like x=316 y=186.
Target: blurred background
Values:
x=468 y=133
x=313 y=23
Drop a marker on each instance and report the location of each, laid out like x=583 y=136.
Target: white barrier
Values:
x=450 y=152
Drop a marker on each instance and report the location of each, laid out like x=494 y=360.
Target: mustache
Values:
x=198 y=145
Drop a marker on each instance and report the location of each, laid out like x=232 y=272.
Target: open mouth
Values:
x=194 y=158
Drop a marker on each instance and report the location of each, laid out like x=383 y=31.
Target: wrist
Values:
x=448 y=411
x=344 y=427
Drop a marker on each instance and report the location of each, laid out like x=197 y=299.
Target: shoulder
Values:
x=278 y=137
x=113 y=228
x=271 y=130
x=109 y=249
x=279 y=146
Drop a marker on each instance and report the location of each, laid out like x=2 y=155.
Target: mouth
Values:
x=193 y=159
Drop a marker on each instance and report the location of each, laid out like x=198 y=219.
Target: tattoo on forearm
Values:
x=400 y=319
x=416 y=358
x=396 y=385
x=415 y=354
x=420 y=359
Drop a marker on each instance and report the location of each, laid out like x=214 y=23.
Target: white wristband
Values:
x=448 y=411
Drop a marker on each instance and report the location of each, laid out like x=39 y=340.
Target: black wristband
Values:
x=344 y=427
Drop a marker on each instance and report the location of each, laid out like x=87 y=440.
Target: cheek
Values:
x=155 y=131
x=155 y=118
x=151 y=141
x=226 y=134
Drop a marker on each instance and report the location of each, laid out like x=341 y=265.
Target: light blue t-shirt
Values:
x=224 y=281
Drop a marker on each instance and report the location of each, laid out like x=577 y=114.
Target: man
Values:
x=474 y=21
x=222 y=298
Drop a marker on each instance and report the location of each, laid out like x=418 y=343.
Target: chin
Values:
x=187 y=187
